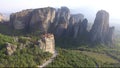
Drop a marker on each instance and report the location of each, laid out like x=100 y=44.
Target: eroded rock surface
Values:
x=21 y=19
x=47 y=43
x=100 y=29
x=63 y=24
x=42 y=18
x=62 y=21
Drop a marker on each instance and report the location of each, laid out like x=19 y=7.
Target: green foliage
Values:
x=4 y=39
x=72 y=58
x=23 y=39
x=27 y=57
x=30 y=56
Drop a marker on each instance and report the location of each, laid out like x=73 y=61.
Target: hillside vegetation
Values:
x=30 y=56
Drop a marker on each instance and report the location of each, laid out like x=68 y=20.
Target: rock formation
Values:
x=82 y=31
x=110 y=36
x=61 y=21
x=21 y=19
x=100 y=29
x=10 y=49
x=63 y=24
x=47 y=43
x=42 y=18
x=74 y=24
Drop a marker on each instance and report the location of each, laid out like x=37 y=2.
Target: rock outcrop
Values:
x=47 y=43
x=74 y=24
x=61 y=21
x=82 y=31
x=110 y=36
x=100 y=29
x=42 y=18
x=10 y=49
x=63 y=24
x=1 y=18
x=21 y=19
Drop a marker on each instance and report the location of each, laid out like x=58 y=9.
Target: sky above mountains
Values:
x=86 y=7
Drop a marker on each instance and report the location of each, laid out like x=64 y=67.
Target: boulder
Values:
x=10 y=49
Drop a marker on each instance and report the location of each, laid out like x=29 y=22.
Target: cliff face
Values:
x=63 y=24
x=100 y=29
x=42 y=18
x=20 y=20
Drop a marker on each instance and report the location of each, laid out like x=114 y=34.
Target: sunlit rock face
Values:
x=42 y=18
x=21 y=19
x=100 y=29
x=47 y=43
x=1 y=17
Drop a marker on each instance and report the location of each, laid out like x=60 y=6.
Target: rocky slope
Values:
x=63 y=24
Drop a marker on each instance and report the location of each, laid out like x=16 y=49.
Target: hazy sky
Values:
x=90 y=6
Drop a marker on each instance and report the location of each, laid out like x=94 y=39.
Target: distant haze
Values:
x=87 y=7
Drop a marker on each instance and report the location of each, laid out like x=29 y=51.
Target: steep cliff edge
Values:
x=63 y=24
x=101 y=32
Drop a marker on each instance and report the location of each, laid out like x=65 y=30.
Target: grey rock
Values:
x=100 y=28
x=62 y=21
x=110 y=36
x=10 y=49
x=20 y=19
x=74 y=24
x=82 y=32
x=42 y=18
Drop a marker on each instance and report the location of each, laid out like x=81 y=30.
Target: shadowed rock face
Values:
x=74 y=24
x=62 y=21
x=82 y=32
x=100 y=28
x=110 y=36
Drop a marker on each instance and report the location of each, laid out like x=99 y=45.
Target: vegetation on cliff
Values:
x=30 y=56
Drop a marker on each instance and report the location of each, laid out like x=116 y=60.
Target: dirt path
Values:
x=49 y=61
